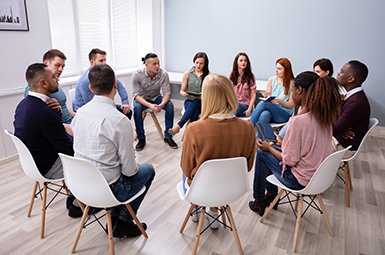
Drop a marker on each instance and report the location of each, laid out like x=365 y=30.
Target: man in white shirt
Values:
x=104 y=136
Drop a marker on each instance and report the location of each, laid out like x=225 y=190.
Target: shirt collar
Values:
x=222 y=116
x=353 y=91
x=43 y=97
x=104 y=99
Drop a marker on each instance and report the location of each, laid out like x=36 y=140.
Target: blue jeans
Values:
x=129 y=114
x=138 y=117
x=266 y=112
x=241 y=109
x=192 y=111
x=126 y=187
x=265 y=165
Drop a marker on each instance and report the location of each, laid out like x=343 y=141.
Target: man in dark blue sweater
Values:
x=39 y=126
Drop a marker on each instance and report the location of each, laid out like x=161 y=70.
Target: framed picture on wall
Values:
x=13 y=15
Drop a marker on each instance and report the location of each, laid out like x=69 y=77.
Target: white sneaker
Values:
x=195 y=215
x=215 y=225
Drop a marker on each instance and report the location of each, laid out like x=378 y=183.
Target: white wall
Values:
x=18 y=50
x=300 y=30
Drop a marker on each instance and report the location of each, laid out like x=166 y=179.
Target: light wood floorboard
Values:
x=359 y=229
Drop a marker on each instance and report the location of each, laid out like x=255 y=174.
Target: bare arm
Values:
x=287 y=104
x=184 y=85
x=267 y=147
x=269 y=87
x=72 y=113
x=141 y=101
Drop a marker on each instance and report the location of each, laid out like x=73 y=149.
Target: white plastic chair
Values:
x=322 y=179
x=71 y=92
x=345 y=166
x=217 y=183
x=30 y=169
x=156 y=122
x=88 y=185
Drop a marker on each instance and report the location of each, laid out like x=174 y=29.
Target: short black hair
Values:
x=93 y=52
x=149 y=55
x=102 y=79
x=360 y=70
x=33 y=71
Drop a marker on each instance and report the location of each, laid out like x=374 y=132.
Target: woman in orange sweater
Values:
x=218 y=134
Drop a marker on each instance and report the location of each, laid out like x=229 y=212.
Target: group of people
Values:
x=100 y=131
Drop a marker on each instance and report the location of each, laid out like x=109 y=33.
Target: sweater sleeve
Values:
x=187 y=161
x=54 y=131
x=350 y=113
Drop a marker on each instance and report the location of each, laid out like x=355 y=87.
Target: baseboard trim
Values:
x=8 y=159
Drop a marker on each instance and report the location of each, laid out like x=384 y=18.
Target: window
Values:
x=77 y=26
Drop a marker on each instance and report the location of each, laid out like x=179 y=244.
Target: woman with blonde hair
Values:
x=218 y=134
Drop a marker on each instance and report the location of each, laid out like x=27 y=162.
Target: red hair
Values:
x=287 y=73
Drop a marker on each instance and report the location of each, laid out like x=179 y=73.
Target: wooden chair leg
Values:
x=296 y=203
x=65 y=187
x=347 y=169
x=232 y=223
x=299 y=214
x=187 y=217
x=347 y=188
x=42 y=224
x=136 y=220
x=80 y=204
x=198 y=234
x=157 y=125
x=223 y=216
x=271 y=205
x=85 y=216
x=325 y=215
x=32 y=198
x=110 y=235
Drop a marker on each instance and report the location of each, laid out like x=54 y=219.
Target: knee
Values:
x=265 y=117
x=149 y=169
x=169 y=106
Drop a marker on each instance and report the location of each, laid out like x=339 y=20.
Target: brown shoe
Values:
x=258 y=206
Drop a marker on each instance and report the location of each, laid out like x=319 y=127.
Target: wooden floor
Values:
x=359 y=229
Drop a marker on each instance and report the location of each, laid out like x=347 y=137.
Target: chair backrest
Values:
x=325 y=174
x=86 y=182
x=71 y=92
x=372 y=123
x=219 y=182
x=27 y=162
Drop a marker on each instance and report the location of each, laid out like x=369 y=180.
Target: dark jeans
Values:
x=138 y=117
x=192 y=111
x=126 y=187
x=265 y=165
x=241 y=110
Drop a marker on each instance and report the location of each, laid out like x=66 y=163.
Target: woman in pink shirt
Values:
x=244 y=84
x=306 y=144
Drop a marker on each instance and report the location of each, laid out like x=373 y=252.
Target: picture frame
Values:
x=13 y=15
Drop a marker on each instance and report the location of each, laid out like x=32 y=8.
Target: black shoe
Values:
x=69 y=201
x=258 y=206
x=129 y=229
x=140 y=145
x=75 y=211
x=269 y=198
x=171 y=143
x=113 y=221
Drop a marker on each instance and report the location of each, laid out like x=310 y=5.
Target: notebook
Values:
x=265 y=132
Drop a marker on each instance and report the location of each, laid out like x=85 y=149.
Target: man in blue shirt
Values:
x=55 y=60
x=83 y=94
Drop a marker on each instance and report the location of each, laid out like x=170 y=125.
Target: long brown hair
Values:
x=287 y=73
x=205 y=70
x=324 y=100
x=248 y=76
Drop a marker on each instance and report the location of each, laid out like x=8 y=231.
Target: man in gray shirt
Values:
x=105 y=137
x=148 y=83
